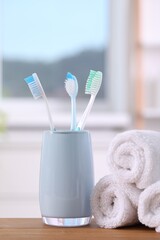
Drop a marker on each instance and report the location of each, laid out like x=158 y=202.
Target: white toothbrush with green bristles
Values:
x=37 y=91
x=92 y=87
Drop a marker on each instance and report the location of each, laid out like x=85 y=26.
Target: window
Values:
x=147 y=50
x=51 y=38
x=149 y=45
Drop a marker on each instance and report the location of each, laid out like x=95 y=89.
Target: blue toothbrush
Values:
x=37 y=92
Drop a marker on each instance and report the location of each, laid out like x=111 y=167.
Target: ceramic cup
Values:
x=66 y=178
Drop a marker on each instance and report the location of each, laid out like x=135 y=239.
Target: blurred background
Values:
x=120 y=38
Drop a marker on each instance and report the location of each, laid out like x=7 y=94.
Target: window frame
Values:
x=108 y=105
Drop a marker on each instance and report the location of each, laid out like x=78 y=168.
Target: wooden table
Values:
x=16 y=229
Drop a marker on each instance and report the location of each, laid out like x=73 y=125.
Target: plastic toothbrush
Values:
x=37 y=92
x=92 y=87
x=71 y=86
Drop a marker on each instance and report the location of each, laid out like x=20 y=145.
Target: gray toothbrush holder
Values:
x=66 y=178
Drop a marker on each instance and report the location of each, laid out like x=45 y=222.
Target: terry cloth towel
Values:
x=114 y=204
x=134 y=157
x=149 y=206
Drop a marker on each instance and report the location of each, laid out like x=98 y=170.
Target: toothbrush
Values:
x=37 y=92
x=92 y=87
x=71 y=86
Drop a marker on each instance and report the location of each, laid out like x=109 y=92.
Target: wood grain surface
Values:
x=16 y=229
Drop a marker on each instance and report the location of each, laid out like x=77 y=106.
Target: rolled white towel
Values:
x=149 y=206
x=114 y=204
x=134 y=156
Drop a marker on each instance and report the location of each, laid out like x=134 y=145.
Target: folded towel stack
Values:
x=134 y=161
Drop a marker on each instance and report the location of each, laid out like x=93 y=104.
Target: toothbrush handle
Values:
x=52 y=128
x=83 y=119
x=73 y=114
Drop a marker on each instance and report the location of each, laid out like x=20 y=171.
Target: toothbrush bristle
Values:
x=69 y=76
x=93 y=83
x=29 y=79
x=71 y=85
x=89 y=81
x=34 y=90
x=34 y=85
